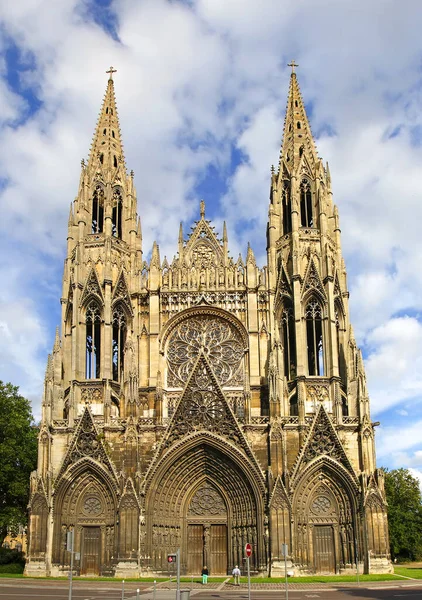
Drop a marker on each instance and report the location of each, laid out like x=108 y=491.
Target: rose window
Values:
x=217 y=339
x=205 y=408
x=92 y=506
x=321 y=505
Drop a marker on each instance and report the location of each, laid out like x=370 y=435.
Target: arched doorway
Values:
x=84 y=502
x=204 y=502
x=325 y=522
x=206 y=521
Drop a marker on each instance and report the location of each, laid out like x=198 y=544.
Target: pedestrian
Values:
x=236 y=575
x=204 y=574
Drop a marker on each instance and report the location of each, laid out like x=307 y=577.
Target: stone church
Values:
x=204 y=402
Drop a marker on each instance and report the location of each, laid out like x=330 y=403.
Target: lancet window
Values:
x=97 y=210
x=288 y=339
x=287 y=208
x=306 y=209
x=119 y=340
x=339 y=320
x=116 y=226
x=93 y=341
x=314 y=337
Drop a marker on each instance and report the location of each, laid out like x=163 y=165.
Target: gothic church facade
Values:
x=204 y=402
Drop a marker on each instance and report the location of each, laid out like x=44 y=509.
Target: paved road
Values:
x=58 y=590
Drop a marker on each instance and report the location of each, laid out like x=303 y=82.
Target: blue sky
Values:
x=201 y=89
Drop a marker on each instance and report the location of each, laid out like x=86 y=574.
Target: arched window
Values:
x=314 y=337
x=119 y=340
x=293 y=406
x=97 y=210
x=287 y=208
x=116 y=226
x=306 y=214
x=338 y=313
x=93 y=341
x=287 y=335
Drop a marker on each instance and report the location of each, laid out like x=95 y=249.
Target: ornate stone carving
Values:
x=320 y=505
x=91 y=394
x=203 y=407
x=216 y=338
x=92 y=506
x=207 y=501
x=317 y=392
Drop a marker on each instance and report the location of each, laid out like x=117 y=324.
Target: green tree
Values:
x=404 y=514
x=18 y=457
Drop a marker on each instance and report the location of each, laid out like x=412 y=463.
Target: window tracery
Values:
x=314 y=337
x=93 y=341
x=306 y=212
x=119 y=340
x=217 y=339
x=207 y=501
x=116 y=222
x=287 y=208
x=287 y=335
x=97 y=210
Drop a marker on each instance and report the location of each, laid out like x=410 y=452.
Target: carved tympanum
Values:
x=321 y=505
x=219 y=341
x=207 y=501
x=92 y=506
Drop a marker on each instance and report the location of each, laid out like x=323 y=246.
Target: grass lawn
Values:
x=413 y=572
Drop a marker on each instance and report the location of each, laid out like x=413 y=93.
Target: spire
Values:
x=107 y=148
x=297 y=135
x=225 y=238
x=250 y=256
x=56 y=346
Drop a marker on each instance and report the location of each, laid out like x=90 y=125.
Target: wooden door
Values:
x=195 y=549
x=218 y=544
x=90 y=551
x=324 y=549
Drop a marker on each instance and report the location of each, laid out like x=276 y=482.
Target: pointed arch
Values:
x=325 y=505
x=97 y=220
x=117 y=211
x=288 y=337
x=119 y=333
x=314 y=319
x=287 y=207
x=307 y=217
x=38 y=526
x=93 y=330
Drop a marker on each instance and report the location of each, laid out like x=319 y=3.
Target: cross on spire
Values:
x=111 y=71
x=293 y=64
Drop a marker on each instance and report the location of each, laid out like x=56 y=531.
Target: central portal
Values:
x=207 y=531
x=207 y=545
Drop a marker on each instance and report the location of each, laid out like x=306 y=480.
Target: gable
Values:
x=92 y=287
x=322 y=441
x=86 y=443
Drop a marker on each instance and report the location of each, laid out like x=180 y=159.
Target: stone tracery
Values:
x=216 y=338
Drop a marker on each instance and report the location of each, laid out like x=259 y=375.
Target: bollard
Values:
x=137 y=594
x=123 y=589
x=153 y=594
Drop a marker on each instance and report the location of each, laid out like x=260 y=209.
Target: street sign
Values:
x=284 y=550
x=172 y=558
x=248 y=550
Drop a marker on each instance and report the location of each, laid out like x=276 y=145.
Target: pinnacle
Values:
x=107 y=148
x=297 y=134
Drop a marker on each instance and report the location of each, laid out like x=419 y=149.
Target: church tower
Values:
x=202 y=402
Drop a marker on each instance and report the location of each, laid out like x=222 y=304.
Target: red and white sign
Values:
x=248 y=550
